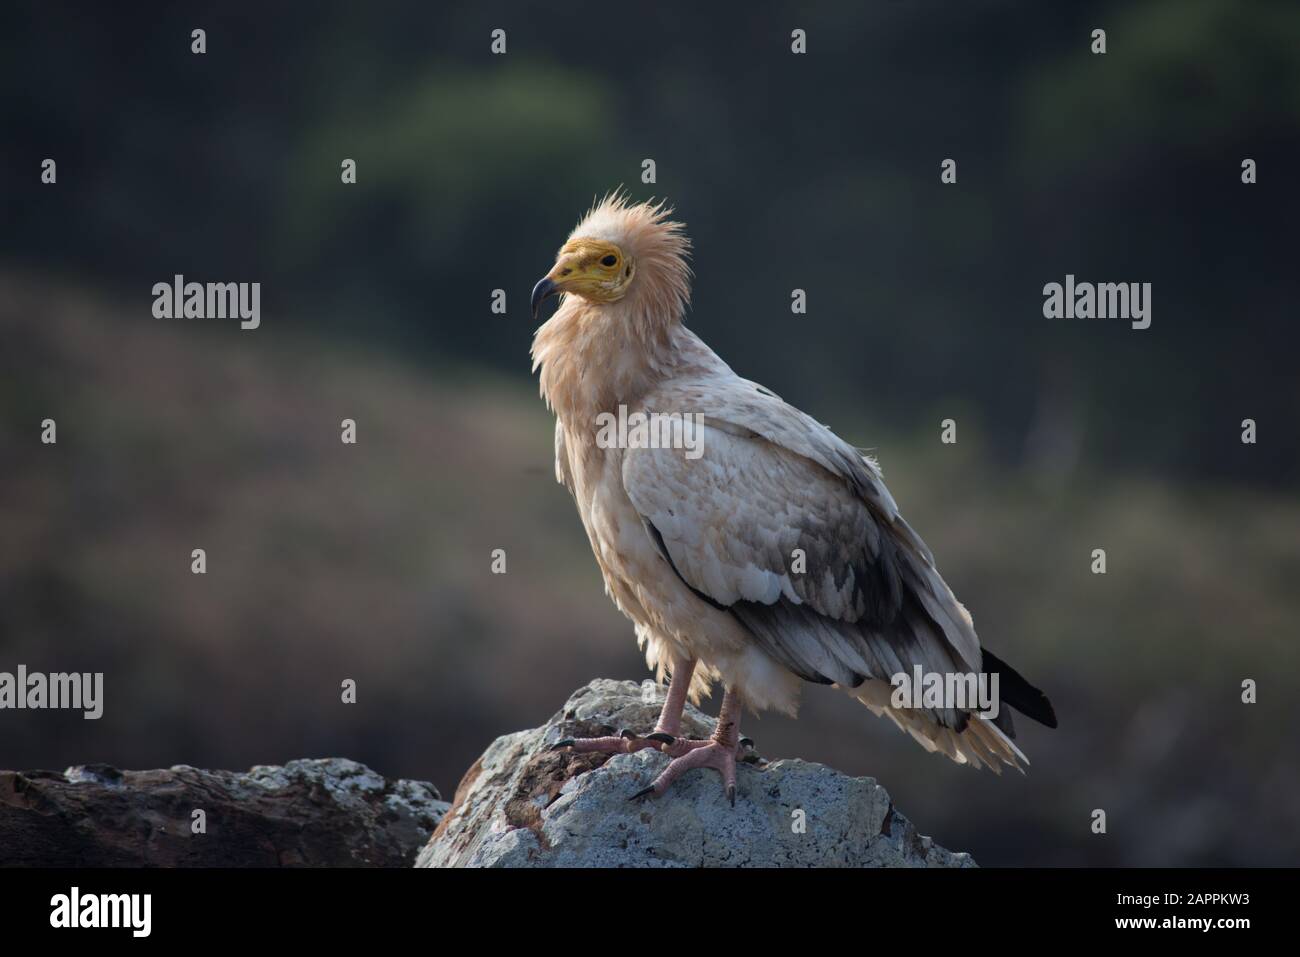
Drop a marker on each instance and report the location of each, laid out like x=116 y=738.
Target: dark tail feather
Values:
x=1019 y=693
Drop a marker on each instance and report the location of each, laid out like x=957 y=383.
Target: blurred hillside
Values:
x=819 y=172
x=372 y=562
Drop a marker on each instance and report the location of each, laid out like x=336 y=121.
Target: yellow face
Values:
x=591 y=268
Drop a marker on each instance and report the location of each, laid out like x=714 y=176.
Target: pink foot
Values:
x=681 y=746
x=625 y=742
x=701 y=754
x=719 y=751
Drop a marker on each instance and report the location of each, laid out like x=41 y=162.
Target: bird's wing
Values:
x=784 y=462
x=769 y=480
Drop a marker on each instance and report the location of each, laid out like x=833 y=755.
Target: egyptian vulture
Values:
x=698 y=546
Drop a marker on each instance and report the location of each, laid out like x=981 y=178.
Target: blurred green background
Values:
x=821 y=172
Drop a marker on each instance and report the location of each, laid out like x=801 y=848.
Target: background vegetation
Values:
x=821 y=172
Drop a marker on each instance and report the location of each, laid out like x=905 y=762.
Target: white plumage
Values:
x=701 y=552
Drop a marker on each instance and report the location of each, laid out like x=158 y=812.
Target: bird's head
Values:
x=595 y=269
x=622 y=251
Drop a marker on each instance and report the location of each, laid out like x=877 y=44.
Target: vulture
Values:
x=765 y=554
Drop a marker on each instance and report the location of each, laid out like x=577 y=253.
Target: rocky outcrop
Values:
x=310 y=813
x=522 y=805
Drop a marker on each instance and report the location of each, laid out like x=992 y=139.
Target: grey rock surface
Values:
x=307 y=813
x=522 y=805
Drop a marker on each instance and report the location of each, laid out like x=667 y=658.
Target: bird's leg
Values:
x=719 y=752
x=679 y=685
x=664 y=736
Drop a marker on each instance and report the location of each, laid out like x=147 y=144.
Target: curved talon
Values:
x=644 y=792
x=747 y=743
x=628 y=733
x=662 y=736
x=731 y=794
x=565 y=743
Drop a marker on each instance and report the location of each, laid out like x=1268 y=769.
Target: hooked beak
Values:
x=541 y=292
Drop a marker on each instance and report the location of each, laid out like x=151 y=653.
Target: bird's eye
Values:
x=609 y=261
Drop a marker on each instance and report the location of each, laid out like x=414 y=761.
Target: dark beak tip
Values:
x=542 y=291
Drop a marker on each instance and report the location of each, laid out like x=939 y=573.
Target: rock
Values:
x=521 y=805
x=309 y=813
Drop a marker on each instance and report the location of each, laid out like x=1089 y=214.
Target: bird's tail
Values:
x=1014 y=690
x=979 y=743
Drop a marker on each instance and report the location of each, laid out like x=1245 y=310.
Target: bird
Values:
x=700 y=547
